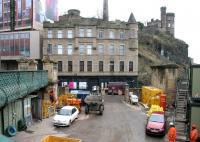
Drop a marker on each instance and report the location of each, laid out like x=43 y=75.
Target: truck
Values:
x=114 y=88
x=94 y=102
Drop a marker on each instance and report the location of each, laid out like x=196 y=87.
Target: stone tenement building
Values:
x=91 y=51
x=166 y=24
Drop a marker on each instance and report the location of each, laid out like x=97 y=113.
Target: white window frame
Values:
x=81 y=49
x=122 y=35
x=50 y=34
x=59 y=34
x=60 y=49
x=111 y=35
x=69 y=33
x=111 y=49
x=69 y=49
x=101 y=34
x=81 y=32
x=89 y=49
x=122 y=49
x=89 y=32
x=101 y=49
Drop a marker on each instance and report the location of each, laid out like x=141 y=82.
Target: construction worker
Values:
x=194 y=133
x=172 y=132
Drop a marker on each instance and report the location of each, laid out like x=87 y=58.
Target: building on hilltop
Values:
x=21 y=23
x=166 y=24
x=91 y=51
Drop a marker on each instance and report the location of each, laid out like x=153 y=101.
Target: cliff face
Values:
x=156 y=49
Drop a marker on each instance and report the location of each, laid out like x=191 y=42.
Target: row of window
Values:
x=100 y=65
x=85 y=33
x=86 y=49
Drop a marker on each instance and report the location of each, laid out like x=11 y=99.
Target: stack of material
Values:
x=69 y=99
x=48 y=108
x=151 y=95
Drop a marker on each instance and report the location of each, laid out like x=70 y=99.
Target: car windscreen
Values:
x=157 y=118
x=64 y=112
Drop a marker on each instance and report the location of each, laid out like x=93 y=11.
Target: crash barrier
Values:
x=17 y=84
x=59 y=139
x=155 y=108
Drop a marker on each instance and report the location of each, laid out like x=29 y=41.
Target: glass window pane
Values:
x=101 y=49
x=81 y=49
x=89 y=49
x=60 y=49
x=69 y=49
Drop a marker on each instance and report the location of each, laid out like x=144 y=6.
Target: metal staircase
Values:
x=181 y=109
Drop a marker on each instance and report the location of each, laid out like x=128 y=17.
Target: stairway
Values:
x=181 y=109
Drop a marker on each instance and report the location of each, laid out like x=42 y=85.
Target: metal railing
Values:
x=18 y=84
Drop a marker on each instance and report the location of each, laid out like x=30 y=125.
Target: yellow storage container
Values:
x=59 y=139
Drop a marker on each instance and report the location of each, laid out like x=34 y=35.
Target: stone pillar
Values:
x=126 y=95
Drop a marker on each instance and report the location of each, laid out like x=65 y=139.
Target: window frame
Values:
x=101 y=50
x=70 y=34
x=49 y=34
x=69 y=49
x=111 y=35
x=60 y=68
x=70 y=66
x=49 y=49
x=89 y=66
x=60 y=49
x=101 y=66
x=101 y=34
x=81 y=32
x=59 y=34
x=81 y=49
x=130 y=66
x=122 y=49
x=89 y=32
x=81 y=66
x=111 y=50
x=112 y=66
x=121 y=66
x=89 y=49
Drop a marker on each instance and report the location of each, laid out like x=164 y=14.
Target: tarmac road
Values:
x=119 y=123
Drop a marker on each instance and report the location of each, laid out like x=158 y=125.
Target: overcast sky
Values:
x=187 y=15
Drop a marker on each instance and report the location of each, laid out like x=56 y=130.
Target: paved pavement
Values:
x=120 y=122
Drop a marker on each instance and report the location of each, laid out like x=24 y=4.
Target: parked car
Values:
x=65 y=116
x=156 y=124
x=133 y=99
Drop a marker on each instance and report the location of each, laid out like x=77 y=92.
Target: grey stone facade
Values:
x=73 y=39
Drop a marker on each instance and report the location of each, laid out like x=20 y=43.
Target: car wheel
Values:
x=86 y=109
x=70 y=122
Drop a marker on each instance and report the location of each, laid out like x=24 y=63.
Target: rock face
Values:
x=158 y=49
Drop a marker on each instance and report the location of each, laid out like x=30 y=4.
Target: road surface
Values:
x=120 y=123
